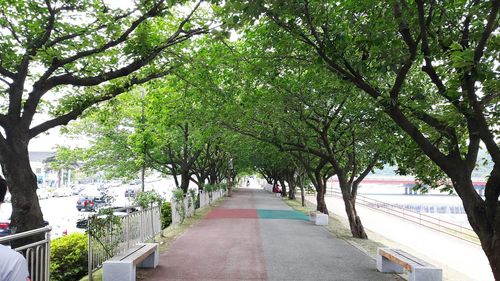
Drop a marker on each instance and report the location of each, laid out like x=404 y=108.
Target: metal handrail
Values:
x=26 y=234
x=455 y=230
x=37 y=254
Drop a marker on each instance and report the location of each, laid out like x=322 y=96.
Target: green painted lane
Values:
x=281 y=214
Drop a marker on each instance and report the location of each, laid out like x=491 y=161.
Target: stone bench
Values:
x=396 y=261
x=123 y=267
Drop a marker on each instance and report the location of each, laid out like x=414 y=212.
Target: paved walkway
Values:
x=256 y=236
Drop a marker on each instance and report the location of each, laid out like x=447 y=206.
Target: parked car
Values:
x=4 y=228
x=82 y=223
x=130 y=193
x=43 y=193
x=90 y=203
x=62 y=192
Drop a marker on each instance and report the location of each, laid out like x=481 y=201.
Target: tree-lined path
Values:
x=256 y=236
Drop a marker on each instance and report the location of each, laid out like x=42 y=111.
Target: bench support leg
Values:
x=385 y=265
x=151 y=261
x=427 y=274
x=118 y=271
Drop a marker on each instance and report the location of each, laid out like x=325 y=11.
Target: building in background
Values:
x=37 y=162
x=45 y=175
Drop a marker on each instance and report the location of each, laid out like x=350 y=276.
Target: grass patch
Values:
x=96 y=276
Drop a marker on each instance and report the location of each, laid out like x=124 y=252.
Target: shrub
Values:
x=179 y=203
x=68 y=257
x=166 y=214
x=178 y=195
x=146 y=198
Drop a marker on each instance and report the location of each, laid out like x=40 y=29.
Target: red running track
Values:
x=207 y=252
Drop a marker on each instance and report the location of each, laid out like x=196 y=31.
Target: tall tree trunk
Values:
x=201 y=182
x=302 y=191
x=320 y=197
x=283 y=188
x=357 y=229
x=26 y=212
x=291 y=191
x=302 y=195
x=493 y=247
x=483 y=215
x=185 y=178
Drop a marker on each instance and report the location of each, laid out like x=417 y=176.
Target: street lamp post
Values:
x=229 y=176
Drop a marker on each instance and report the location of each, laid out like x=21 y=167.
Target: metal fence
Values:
x=186 y=208
x=37 y=254
x=458 y=231
x=132 y=228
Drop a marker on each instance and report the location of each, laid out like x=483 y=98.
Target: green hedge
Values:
x=215 y=187
x=68 y=257
x=166 y=214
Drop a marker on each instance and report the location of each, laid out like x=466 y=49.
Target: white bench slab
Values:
x=123 y=267
x=321 y=219
x=318 y=218
x=397 y=261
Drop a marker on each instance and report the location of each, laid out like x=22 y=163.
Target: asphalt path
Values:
x=254 y=235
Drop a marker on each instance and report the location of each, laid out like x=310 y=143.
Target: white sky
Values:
x=49 y=141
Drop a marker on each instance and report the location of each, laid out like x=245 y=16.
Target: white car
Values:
x=43 y=193
x=63 y=192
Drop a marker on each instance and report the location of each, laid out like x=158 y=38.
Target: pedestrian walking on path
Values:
x=254 y=235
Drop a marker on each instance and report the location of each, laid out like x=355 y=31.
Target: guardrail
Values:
x=186 y=208
x=133 y=228
x=455 y=230
x=37 y=254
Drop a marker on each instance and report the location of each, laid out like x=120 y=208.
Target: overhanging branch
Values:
x=73 y=114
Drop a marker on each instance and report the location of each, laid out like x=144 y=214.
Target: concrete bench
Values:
x=122 y=267
x=396 y=261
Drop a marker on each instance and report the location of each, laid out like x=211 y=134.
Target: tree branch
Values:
x=488 y=29
x=73 y=114
x=362 y=176
x=404 y=30
x=37 y=43
x=122 y=38
x=84 y=31
x=10 y=28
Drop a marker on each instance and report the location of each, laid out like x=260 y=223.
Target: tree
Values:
x=82 y=53
x=292 y=108
x=430 y=65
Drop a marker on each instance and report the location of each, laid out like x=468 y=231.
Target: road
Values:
x=61 y=212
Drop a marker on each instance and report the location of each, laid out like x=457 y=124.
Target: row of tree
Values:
x=303 y=89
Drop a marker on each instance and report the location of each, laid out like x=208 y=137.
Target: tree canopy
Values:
x=286 y=88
